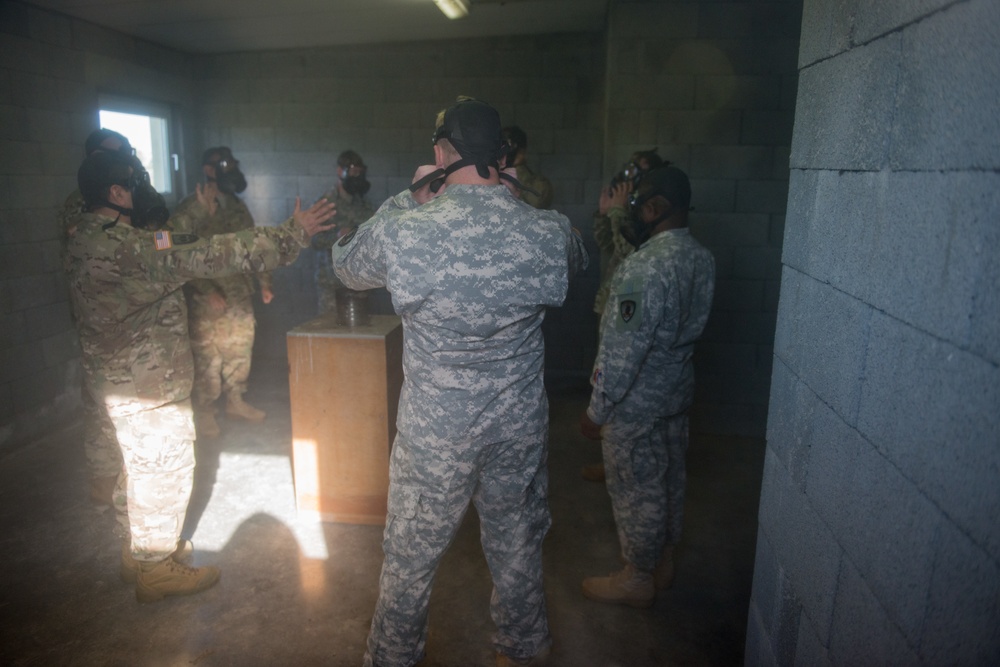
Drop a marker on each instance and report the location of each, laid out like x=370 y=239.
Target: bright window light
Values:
x=149 y=136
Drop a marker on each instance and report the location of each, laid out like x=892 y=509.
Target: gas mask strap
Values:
x=121 y=211
x=437 y=175
x=436 y=178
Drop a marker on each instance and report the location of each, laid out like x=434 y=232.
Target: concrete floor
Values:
x=294 y=592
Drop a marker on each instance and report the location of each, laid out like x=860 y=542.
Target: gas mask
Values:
x=149 y=208
x=640 y=229
x=228 y=176
x=630 y=173
x=354 y=184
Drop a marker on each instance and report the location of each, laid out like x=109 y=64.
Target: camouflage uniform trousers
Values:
x=646 y=475
x=157 y=446
x=429 y=493
x=222 y=346
x=104 y=456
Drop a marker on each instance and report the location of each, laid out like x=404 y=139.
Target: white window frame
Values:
x=161 y=162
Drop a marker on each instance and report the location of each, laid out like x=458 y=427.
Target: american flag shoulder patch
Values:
x=162 y=240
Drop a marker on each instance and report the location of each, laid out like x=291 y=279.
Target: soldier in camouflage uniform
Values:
x=352 y=210
x=221 y=309
x=125 y=285
x=616 y=240
x=537 y=189
x=104 y=459
x=643 y=384
x=471 y=273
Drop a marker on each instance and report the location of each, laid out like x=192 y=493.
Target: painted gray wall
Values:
x=712 y=85
x=879 y=541
x=52 y=69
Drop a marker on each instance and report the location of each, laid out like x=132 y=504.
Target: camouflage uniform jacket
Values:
x=72 y=209
x=532 y=179
x=470 y=273
x=661 y=296
x=232 y=215
x=129 y=307
x=612 y=233
x=352 y=210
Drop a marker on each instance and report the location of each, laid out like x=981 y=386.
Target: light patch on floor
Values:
x=234 y=501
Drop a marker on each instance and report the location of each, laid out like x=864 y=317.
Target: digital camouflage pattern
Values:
x=132 y=323
x=470 y=273
x=643 y=383
x=532 y=179
x=352 y=210
x=612 y=233
x=222 y=343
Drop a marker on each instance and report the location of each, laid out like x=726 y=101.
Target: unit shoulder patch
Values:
x=629 y=311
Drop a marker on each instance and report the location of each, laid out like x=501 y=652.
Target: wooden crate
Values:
x=345 y=384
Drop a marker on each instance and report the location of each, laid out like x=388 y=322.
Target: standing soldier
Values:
x=536 y=189
x=125 y=285
x=643 y=385
x=104 y=459
x=221 y=309
x=615 y=237
x=352 y=210
x=471 y=273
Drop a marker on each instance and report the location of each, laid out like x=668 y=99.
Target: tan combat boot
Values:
x=538 y=660
x=130 y=566
x=630 y=586
x=593 y=472
x=236 y=407
x=102 y=490
x=205 y=424
x=158 y=579
x=663 y=575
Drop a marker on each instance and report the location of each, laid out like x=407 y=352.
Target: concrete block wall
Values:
x=288 y=114
x=52 y=68
x=713 y=86
x=878 y=539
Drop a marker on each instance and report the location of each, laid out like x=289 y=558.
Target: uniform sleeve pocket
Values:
x=404 y=501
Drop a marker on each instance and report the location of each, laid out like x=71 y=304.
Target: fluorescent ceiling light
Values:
x=453 y=9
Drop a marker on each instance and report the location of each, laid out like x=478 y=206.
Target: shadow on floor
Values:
x=294 y=592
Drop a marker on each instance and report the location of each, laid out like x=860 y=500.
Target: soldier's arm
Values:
x=543 y=187
x=245 y=221
x=628 y=326
x=69 y=216
x=189 y=218
x=621 y=233
x=162 y=257
x=359 y=257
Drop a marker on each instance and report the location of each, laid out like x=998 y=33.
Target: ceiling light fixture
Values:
x=453 y=9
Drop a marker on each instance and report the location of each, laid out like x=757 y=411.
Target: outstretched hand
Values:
x=313 y=218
